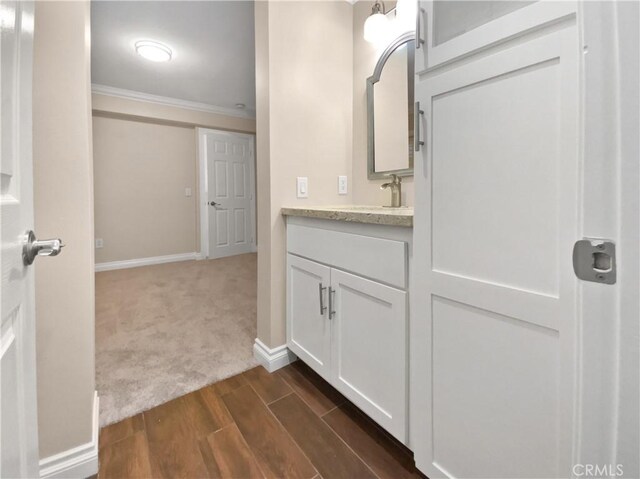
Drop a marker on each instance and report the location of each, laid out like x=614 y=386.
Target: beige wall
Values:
x=304 y=97
x=366 y=191
x=141 y=172
x=145 y=156
x=63 y=194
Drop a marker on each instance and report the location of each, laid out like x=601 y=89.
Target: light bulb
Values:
x=376 y=27
x=406 y=15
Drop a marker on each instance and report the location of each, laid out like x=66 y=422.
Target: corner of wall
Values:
x=63 y=206
x=302 y=88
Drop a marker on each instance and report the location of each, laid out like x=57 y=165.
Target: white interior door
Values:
x=229 y=204
x=497 y=202
x=18 y=413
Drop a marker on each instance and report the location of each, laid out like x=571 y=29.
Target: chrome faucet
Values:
x=396 y=190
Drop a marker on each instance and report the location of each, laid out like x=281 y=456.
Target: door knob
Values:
x=33 y=247
x=213 y=203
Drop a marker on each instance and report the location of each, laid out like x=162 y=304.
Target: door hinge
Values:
x=595 y=260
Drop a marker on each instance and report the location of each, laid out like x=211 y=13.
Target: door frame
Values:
x=606 y=424
x=203 y=186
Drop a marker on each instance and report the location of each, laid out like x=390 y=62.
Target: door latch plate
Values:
x=595 y=260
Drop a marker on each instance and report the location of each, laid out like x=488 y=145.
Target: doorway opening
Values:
x=173 y=99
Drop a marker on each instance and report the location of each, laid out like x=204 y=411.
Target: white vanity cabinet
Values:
x=347 y=312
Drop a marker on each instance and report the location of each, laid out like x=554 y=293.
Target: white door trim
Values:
x=203 y=189
x=607 y=397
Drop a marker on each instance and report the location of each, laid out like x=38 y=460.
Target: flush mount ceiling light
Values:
x=377 y=25
x=240 y=106
x=154 y=51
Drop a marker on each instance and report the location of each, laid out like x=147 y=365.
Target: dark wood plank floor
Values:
x=289 y=424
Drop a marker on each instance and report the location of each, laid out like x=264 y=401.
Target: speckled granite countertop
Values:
x=377 y=215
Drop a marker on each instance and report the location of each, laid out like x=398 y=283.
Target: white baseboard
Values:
x=272 y=359
x=134 y=263
x=78 y=462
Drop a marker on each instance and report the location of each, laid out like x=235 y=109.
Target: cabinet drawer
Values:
x=381 y=259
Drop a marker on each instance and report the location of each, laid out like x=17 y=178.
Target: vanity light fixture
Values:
x=377 y=25
x=154 y=51
x=406 y=14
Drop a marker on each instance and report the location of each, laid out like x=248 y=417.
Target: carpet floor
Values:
x=165 y=330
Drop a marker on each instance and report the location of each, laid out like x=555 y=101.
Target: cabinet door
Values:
x=369 y=348
x=497 y=188
x=308 y=328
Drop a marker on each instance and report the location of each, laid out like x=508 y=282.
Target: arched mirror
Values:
x=390 y=111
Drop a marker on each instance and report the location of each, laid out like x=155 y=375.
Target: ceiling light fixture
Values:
x=154 y=51
x=240 y=106
x=377 y=24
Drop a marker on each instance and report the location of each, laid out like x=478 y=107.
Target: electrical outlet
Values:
x=302 y=187
x=342 y=185
x=99 y=243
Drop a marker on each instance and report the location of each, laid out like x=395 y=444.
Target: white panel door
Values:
x=18 y=413
x=230 y=193
x=494 y=308
x=369 y=348
x=308 y=327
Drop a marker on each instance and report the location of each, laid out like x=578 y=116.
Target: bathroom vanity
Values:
x=348 y=267
x=348 y=303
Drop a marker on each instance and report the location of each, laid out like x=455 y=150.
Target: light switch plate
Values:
x=99 y=243
x=187 y=192
x=342 y=185
x=302 y=187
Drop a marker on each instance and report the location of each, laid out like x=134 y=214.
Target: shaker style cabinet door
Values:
x=369 y=348
x=493 y=325
x=308 y=333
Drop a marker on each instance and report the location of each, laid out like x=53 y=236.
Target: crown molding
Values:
x=168 y=101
